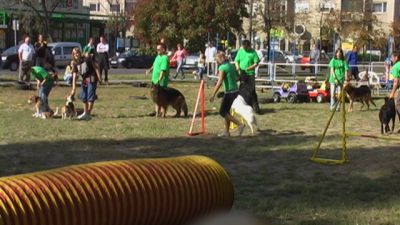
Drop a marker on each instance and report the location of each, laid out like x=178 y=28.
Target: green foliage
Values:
x=176 y=20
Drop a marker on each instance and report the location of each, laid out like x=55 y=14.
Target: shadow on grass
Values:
x=271 y=175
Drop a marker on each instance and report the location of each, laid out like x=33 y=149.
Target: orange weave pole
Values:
x=169 y=191
x=200 y=97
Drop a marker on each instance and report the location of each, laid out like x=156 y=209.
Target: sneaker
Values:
x=85 y=117
x=241 y=129
x=225 y=134
x=82 y=115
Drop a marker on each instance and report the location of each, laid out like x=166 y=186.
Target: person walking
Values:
x=88 y=69
x=179 y=56
x=210 y=53
x=25 y=55
x=227 y=76
x=352 y=60
x=40 y=51
x=44 y=83
x=246 y=61
x=102 y=51
x=339 y=70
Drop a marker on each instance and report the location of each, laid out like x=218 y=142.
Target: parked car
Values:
x=292 y=57
x=292 y=92
x=62 y=52
x=323 y=59
x=191 y=61
x=132 y=59
x=10 y=59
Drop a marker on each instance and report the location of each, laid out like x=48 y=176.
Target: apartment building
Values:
x=309 y=17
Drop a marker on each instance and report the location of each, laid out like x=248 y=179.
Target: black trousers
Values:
x=247 y=90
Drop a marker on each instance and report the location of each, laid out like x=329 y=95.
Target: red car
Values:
x=320 y=94
x=323 y=59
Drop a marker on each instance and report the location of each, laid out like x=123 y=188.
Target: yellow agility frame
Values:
x=344 y=158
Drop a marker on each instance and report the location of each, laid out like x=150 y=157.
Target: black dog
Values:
x=387 y=113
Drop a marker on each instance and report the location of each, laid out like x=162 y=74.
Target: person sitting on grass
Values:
x=227 y=77
x=44 y=83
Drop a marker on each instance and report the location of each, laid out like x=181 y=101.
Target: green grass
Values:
x=272 y=174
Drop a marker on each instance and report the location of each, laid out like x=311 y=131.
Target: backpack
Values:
x=83 y=69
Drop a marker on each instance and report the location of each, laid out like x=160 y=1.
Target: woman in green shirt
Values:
x=227 y=77
x=338 y=69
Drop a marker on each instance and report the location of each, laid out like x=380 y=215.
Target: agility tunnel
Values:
x=170 y=191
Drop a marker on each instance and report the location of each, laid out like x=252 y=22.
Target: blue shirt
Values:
x=352 y=58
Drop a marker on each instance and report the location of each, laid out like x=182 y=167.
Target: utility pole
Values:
x=251 y=22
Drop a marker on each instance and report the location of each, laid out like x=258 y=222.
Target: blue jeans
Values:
x=44 y=92
x=335 y=88
x=179 y=69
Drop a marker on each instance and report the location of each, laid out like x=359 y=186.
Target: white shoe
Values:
x=85 y=116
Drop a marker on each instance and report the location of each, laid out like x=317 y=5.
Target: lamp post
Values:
x=251 y=21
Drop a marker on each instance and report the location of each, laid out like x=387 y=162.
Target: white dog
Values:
x=240 y=107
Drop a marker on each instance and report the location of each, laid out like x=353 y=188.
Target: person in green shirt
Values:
x=89 y=48
x=339 y=69
x=246 y=62
x=160 y=68
x=395 y=73
x=227 y=76
x=44 y=83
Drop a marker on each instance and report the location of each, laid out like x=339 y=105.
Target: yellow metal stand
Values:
x=344 y=157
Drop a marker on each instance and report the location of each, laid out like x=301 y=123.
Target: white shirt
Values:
x=27 y=52
x=210 y=54
x=102 y=48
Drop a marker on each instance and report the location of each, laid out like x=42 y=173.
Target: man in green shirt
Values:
x=160 y=74
x=246 y=62
x=44 y=82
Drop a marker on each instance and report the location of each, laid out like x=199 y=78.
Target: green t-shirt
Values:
x=340 y=67
x=246 y=59
x=88 y=49
x=395 y=72
x=230 y=80
x=161 y=63
x=40 y=73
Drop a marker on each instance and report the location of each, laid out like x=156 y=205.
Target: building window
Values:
x=114 y=7
x=93 y=7
x=302 y=6
x=380 y=7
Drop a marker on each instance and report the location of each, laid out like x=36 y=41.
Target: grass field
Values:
x=271 y=172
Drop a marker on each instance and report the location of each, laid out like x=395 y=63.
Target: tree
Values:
x=35 y=15
x=274 y=16
x=192 y=20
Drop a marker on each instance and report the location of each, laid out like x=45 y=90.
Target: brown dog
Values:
x=68 y=110
x=40 y=111
x=163 y=97
x=362 y=93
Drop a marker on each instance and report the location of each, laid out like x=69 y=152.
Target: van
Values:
x=62 y=52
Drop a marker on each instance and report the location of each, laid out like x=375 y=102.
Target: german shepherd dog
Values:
x=387 y=113
x=362 y=93
x=163 y=97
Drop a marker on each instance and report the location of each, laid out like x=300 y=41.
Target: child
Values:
x=201 y=65
x=68 y=74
